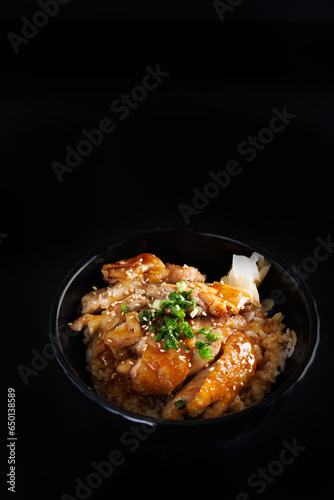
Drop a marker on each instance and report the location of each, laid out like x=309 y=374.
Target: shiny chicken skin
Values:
x=188 y=273
x=112 y=317
x=158 y=372
x=145 y=266
x=212 y=298
x=212 y=390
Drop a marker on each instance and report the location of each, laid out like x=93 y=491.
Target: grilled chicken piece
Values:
x=96 y=300
x=219 y=299
x=233 y=371
x=103 y=298
x=188 y=273
x=94 y=323
x=145 y=266
x=212 y=298
x=125 y=334
x=110 y=317
x=210 y=392
x=185 y=395
x=158 y=372
x=235 y=322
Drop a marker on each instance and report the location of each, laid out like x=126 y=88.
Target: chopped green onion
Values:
x=180 y=403
x=145 y=315
x=177 y=311
x=169 y=329
x=170 y=341
x=181 y=285
x=194 y=312
x=124 y=309
x=186 y=329
x=157 y=303
x=204 y=349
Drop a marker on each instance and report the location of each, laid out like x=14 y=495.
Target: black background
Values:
x=224 y=80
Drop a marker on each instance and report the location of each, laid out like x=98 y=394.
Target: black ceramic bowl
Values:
x=211 y=254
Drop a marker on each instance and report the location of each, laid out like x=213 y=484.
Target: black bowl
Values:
x=211 y=254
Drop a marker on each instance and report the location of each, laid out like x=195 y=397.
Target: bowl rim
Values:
x=267 y=402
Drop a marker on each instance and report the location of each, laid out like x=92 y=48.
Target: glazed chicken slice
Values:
x=209 y=393
x=188 y=273
x=110 y=317
x=103 y=298
x=90 y=324
x=158 y=372
x=219 y=299
x=145 y=266
x=96 y=300
x=212 y=298
x=125 y=334
x=233 y=370
x=126 y=276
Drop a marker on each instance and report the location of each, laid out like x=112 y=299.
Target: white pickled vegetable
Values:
x=247 y=272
